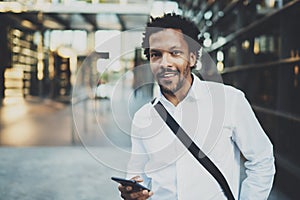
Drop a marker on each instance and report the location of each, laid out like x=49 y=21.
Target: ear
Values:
x=193 y=59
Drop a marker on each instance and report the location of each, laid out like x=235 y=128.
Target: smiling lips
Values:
x=167 y=74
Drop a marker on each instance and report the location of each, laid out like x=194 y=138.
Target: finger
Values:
x=125 y=196
x=150 y=193
x=135 y=195
x=128 y=188
x=145 y=195
x=121 y=188
x=124 y=188
x=126 y=192
x=137 y=179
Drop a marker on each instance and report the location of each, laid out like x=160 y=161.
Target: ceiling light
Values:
x=28 y=24
x=208 y=15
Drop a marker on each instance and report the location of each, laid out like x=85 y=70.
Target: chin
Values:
x=167 y=90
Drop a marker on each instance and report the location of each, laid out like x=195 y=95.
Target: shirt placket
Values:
x=178 y=164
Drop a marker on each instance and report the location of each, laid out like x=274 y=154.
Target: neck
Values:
x=178 y=96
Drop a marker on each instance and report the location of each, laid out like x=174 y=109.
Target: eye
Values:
x=154 y=54
x=176 y=52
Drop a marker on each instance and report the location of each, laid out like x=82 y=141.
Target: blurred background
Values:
x=72 y=75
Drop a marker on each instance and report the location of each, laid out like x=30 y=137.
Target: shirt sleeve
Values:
x=257 y=149
x=138 y=158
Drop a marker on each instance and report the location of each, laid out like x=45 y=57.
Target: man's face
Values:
x=170 y=60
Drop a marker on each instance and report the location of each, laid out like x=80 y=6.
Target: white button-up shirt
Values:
x=221 y=122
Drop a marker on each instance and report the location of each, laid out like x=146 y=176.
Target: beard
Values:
x=172 y=86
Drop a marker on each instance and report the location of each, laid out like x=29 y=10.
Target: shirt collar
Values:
x=196 y=89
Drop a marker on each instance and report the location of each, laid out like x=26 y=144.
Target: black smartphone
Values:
x=136 y=187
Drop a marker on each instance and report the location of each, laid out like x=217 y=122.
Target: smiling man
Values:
x=171 y=63
x=217 y=117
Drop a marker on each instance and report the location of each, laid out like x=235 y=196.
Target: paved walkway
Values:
x=55 y=173
x=35 y=122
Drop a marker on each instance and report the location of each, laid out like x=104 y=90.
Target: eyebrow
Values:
x=159 y=50
x=174 y=47
x=155 y=50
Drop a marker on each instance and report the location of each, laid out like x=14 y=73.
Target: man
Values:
x=217 y=117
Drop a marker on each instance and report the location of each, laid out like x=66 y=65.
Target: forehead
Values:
x=167 y=38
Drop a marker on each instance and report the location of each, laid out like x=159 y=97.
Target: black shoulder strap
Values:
x=193 y=148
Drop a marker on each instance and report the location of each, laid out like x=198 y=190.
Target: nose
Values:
x=165 y=60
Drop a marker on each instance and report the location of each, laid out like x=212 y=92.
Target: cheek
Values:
x=182 y=60
x=154 y=68
x=182 y=64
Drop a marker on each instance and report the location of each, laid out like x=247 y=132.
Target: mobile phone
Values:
x=136 y=187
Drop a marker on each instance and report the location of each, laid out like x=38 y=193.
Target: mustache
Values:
x=166 y=70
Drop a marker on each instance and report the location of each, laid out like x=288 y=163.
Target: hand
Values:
x=128 y=194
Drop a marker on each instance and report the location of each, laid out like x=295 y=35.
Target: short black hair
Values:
x=171 y=20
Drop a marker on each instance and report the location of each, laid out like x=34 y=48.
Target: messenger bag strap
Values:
x=193 y=148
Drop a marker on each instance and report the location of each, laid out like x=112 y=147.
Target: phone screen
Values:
x=126 y=182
